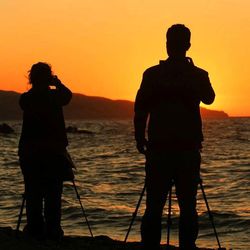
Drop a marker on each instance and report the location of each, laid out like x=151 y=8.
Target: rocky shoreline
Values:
x=10 y=241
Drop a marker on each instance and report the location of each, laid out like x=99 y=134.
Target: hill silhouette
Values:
x=85 y=107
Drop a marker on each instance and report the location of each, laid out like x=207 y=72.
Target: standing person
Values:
x=42 y=149
x=169 y=95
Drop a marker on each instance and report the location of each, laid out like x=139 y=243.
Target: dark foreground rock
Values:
x=10 y=241
x=75 y=130
x=6 y=129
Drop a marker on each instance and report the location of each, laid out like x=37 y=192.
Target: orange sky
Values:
x=102 y=47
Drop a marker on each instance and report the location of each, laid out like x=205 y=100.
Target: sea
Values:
x=110 y=178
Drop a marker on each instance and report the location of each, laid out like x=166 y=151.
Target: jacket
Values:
x=43 y=129
x=169 y=97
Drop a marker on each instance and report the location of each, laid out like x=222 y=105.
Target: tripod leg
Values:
x=83 y=211
x=135 y=212
x=20 y=215
x=169 y=216
x=209 y=213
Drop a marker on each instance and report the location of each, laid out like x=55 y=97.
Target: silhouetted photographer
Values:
x=42 y=151
x=167 y=104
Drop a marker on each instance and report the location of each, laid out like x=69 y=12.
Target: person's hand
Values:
x=142 y=146
x=56 y=82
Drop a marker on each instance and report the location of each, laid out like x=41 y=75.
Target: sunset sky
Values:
x=102 y=47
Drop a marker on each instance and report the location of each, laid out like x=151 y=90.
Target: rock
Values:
x=75 y=130
x=6 y=129
x=10 y=241
x=71 y=129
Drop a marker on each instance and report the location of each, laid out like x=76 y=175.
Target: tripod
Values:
x=169 y=222
x=78 y=197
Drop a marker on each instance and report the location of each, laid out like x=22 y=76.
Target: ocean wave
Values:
x=110 y=176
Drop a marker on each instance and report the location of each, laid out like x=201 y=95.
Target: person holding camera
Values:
x=42 y=150
x=169 y=98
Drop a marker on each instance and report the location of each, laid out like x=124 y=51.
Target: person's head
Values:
x=40 y=75
x=178 y=40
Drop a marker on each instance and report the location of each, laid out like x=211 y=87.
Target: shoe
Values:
x=55 y=235
x=35 y=233
x=151 y=247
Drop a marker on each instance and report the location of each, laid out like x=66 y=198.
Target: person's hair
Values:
x=178 y=37
x=40 y=73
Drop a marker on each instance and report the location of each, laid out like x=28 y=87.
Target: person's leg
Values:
x=52 y=209
x=34 y=196
x=34 y=207
x=157 y=186
x=186 y=182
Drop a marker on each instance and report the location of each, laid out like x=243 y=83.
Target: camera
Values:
x=55 y=81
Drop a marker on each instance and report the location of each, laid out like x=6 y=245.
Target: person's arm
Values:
x=141 y=109
x=23 y=103
x=206 y=92
x=63 y=94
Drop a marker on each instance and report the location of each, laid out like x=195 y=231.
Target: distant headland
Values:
x=85 y=107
